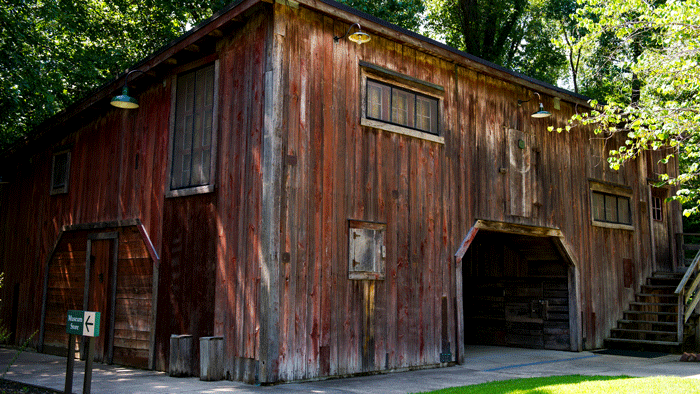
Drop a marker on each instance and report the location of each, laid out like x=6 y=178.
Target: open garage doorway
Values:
x=518 y=288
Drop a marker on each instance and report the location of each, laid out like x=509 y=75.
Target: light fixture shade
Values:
x=124 y=100
x=541 y=113
x=359 y=37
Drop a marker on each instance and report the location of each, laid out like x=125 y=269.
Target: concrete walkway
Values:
x=483 y=364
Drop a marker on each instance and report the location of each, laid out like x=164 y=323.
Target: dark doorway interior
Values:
x=516 y=292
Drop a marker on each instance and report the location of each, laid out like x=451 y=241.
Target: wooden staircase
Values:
x=651 y=322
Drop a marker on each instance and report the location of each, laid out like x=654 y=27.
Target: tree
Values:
x=652 y=61
x=53 y=52
x=515 y=34
x=404 y=13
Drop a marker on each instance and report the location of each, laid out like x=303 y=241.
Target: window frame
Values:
x=178 y=73
x=395 y=80
x=618 y=192
x=409 y=111
x=657 y=210
x=63 y=189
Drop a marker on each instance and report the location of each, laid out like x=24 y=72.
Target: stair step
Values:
x=633 y=331
x=662 y=304
x=657 y=295
x=644 y=342
x=660 y=287
x=668 y=274
x=661 y=323
x=652 y=313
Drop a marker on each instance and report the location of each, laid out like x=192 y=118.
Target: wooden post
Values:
x=87 y=382
x=70 y=363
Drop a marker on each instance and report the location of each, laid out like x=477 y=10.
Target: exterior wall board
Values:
x=217 y=259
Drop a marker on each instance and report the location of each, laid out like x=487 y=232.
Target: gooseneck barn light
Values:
x=541 y=113
x=124 y=100
x=358 y=37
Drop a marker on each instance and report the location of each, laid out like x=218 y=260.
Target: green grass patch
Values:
x=578 y=384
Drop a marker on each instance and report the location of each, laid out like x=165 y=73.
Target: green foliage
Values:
x=404 y=13
x=53 y=52
x=578 y=384
x=649 y=79
x=516 y=34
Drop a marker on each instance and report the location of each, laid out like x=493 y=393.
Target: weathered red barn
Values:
x=327 y=208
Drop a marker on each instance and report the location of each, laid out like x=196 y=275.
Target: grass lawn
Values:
x=578 y=384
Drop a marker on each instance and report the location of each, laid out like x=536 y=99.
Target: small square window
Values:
x=367 y=250
x=60 y=169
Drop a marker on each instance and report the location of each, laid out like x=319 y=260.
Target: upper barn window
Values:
x=400 y=103
x=611 y=205
x=194 y=128
x=402 y=107
x=60 y=169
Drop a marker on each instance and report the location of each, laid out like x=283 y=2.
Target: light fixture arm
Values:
x=126 y=80
x=124 y=100
x=359 y=28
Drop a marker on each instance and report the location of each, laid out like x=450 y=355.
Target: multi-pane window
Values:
x=59 y=172
x=193 y=129
x=657 y=212
x=402 y=107
x=611 y=208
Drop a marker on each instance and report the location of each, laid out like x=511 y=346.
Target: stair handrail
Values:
x=684 y=310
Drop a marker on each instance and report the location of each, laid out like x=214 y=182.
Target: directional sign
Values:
x=83 y=323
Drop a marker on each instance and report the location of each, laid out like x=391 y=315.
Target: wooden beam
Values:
x=269 y=303
x=513 y=228
x=192 y=48
x=459 y=293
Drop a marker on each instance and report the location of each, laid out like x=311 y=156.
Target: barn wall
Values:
x=239 y=194
x=429 y=195
x=114 y=174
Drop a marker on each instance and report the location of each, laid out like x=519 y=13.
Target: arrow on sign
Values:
x=88 y=330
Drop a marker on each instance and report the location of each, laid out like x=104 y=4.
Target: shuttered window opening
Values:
x=402 y=107
x=193 y=129
x=610 y=208
x=59 y=172
x=367 y=250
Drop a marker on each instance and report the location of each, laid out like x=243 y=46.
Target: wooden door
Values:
x=525 y=314
x=660 y=230
x=537 y=313
x=100 y=291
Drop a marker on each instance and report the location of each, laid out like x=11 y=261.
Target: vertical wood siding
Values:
x=133 y=298
x=334 y=170
x=429 y=195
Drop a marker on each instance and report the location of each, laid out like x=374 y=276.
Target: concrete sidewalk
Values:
x=483 y=364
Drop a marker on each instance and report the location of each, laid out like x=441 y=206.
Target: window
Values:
x=367 y=250
x=402 y=107
x=194 y=132
x=657 y=212
x=610 y=208
x=60 y=169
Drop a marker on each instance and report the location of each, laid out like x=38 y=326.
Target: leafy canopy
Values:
x=53 y=52
x=516 y=34
x=653 y=48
